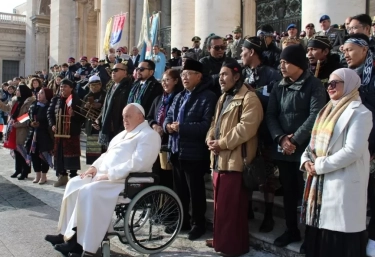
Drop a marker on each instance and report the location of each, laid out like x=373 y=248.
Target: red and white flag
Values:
x=23 y=118
x=69 y=101
x=3 y=128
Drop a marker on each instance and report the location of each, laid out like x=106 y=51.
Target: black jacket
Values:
x=111 y=119
x=154 y=89
x=367 y=93
x=98 y=97
x=44 y=135
x=199 y=111
x=271 y=56
x=263 y=79
x=292 y=109
x=212 y=67
x=59 y=103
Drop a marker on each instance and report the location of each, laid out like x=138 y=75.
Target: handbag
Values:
x=254 y=173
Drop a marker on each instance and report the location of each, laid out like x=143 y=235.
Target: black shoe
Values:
x=22 y=177
x=15 y=174
x=69 y=247
x=54 y=240
x=267 y=224
x=185 y=227
x=196 y=232
x=287 y=238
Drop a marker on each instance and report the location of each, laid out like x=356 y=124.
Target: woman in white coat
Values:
x=337 y=162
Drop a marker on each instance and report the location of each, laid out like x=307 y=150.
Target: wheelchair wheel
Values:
x=106 y=249
x=164 y=219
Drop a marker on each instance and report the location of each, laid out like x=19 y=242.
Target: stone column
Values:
x=215 y=16
x=61 y=34
x=313 y=10
x=182 y=18
x=30 y=37
x=138 y=22
x=249 y=17
x=165 y=8
x=41 y=53
x=132 y=23
x=106 y=12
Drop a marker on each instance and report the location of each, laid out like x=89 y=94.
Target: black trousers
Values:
x=21 y=166
x=188 y=183
x=371 y=199
x=292 y=181
x=39 y=165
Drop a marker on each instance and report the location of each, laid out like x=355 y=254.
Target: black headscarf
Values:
x=25 y=93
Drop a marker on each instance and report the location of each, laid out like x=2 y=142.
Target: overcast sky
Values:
x=8 y=5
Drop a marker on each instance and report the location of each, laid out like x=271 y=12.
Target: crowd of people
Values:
x=306 y=105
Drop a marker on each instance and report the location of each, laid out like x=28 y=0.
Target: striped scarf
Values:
x=318 y=147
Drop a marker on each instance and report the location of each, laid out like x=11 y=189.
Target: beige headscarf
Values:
x=351 y=81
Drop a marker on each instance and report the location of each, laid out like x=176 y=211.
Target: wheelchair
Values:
x=148 y=216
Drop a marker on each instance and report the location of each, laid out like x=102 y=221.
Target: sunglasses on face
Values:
x=333 y=83
x=116 y=69
x=218 y=48
x=141 y=69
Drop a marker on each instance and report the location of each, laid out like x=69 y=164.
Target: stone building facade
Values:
x=54 y=30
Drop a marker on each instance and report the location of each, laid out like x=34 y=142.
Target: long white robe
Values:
x=89 y=205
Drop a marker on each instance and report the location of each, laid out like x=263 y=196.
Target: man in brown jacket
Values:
x=237 y=118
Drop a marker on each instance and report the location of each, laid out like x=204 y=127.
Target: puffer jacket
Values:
x=234 y=133
x=22 y=129
x=292 y=109
x=198 y=114
x=271 y=56
x=211 y=68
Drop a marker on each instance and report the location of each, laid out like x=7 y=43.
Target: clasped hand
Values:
x=287 y=146
x=310 y=168
x=213 y=145
x=174 y=127
x=92 y=173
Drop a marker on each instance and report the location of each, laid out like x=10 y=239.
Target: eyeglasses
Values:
x=354 y=28
x=333 y=83
x=165 y=80
x=118 y=51
x=116 y=69
x=141 y=69
x=218 y=48
x=187 y=73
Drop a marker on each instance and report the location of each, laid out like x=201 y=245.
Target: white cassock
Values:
x=89 y=205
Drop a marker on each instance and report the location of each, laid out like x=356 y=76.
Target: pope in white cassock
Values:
x=90 y=199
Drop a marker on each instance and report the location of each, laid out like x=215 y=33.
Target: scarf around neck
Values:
x=318 y=147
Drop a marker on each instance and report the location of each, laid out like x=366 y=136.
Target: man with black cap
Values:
x=334 y=35
x=176 y=59
x=261 y=78
x=187 y=123
x=292 y=109
x=271 y=53
x=234 y=49
x=318 y=51
x=63 y=119
x=196 y=50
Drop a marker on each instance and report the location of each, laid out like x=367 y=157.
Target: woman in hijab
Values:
x=18 y=128
x=39 y=143
x=337 y=162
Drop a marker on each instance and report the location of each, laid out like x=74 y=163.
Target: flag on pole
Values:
x=23 y=118
x=107 y=36
x=118 y=25
x=144 y=43
x=155 y=22
x=69 y=100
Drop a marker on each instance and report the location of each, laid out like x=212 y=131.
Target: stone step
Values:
x=265 y=241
